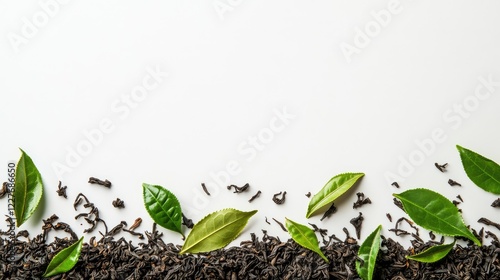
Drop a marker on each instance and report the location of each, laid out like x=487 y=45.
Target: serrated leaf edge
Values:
x=214 y=213
x=376 y=236
x=25 y=156
x=460 y=149
x=311 y=211
x=80 y=241
x=474 y=239
x=311 y=246
x=178 y=230
x=412 y=257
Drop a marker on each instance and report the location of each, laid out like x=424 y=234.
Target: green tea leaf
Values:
x=216 y=230
x=432 y=254
x=28 y=189
x=65 y=260
x=304 y=236
x=163 y=207
x=368 y=252
x=484 y=172
x=337 y=186
x=434 y=212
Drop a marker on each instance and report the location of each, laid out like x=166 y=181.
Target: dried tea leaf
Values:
x=216 y=230
x=65 y=260
x=304 y=236
x=28 y=189
x=432 y=254
x=163 y=207
x=334 y=188
x=435 y=212
x=368 y=252
x=484 y=172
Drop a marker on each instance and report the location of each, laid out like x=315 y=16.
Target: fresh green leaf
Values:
x=65 y=260
x=434 y=212
x=216 y=230
x=337 y=186
x=432 y=254
x=28 y=189
x=304 y=236
x=163 y=207
x=368 y=252
x=484 y=172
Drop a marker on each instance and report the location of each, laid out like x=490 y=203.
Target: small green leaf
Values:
x=163 y=207
x=216 y=230
x=368 y=252
x=28 y=189
x=65 y=260
x=304 y=236
x=432 y=254
x=337 y=186
x=434 y=212
x=484 y=172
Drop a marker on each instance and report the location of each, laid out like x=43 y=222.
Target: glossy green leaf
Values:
x=163 y=207
x=434 y=212
x=368 y=252
x=484 y=172
x=337 y=186
x=432 y=254
x=304 y=236
x=216 y=230
x=65 y=260
x=28 y=189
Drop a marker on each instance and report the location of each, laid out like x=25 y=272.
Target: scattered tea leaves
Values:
x=432 y=254
x=163 y=207
x=65 y=260
x=304 y=236
x=28 y=189
x=484 y=172
x=216 y=230
x=368 y=252
x=334 y=188
x=435 y=212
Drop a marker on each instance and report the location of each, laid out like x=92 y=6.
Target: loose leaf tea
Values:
x=28 y=189
x=216 y=230
x=337 y=186
x=434 y=212
x=65 y=260
x=163 y=207
x=368 y=252
x=432 y=254
x=304 y=236
x=484 y=172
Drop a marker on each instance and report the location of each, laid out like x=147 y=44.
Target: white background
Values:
x=66 y=67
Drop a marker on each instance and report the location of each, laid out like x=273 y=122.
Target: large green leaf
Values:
x=484 y=172
x=163 y=207
x=368 y=252
x=432 y=254
x=65 y=260
x=434 y=212
x=28 y=189
x=304 y=236
x=216 y=230
x=337 y=186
